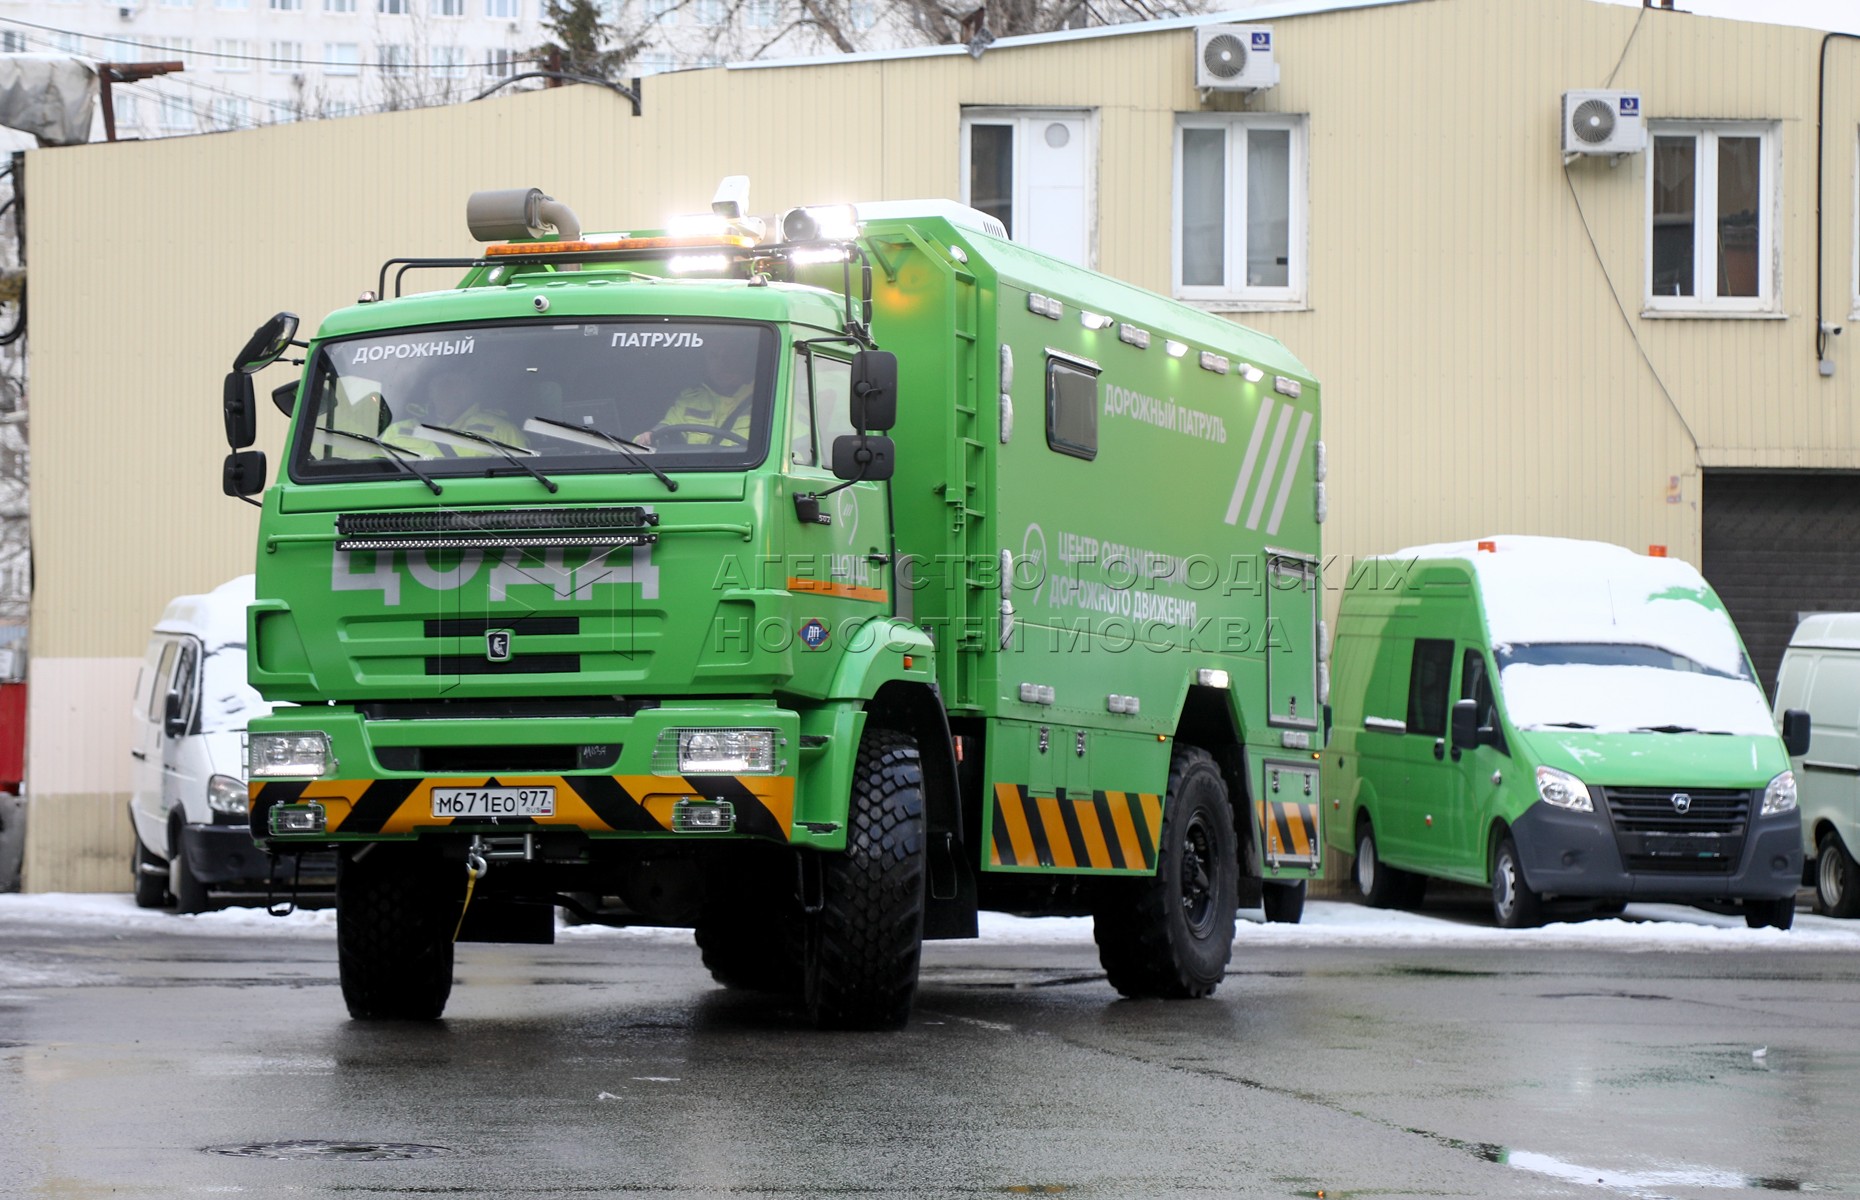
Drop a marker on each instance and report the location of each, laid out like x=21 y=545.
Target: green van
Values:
x=1560 y=720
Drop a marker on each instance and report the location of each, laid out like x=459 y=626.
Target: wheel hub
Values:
x=1197 y=886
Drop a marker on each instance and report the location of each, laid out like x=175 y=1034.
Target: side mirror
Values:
x=267 y=344
x=874 y=404
x=244 y=473
x=284 y=398
x=1795 y=732
x=239 y=409
x=1465 y=729
x=868 y=459
x=174 y=724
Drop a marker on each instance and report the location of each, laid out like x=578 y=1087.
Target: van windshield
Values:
x=1624 y=688
x=227 y=701
x=692 y=394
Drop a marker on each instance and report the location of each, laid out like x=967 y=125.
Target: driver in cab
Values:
x=723 y=402
x=449 y=402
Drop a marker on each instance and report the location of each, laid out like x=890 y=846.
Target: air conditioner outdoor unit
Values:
x=1234 y=58
x=1603 y=123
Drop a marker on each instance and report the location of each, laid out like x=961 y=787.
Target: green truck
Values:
x=812 y=582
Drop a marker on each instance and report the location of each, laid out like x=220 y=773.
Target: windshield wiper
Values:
x=1565 y=725
x=625 y=446
x=398 y=455
x=1665 y=729
x=503 y=448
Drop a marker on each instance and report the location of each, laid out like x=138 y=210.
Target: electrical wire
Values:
x=1614 y=293
x=160 y=48
x=1610 y=81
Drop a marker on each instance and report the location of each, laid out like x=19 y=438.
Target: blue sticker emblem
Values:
x=814 y=633
x=1262 y=39
x=1630 y=106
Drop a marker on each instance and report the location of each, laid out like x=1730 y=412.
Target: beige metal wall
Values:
x=1479 y=376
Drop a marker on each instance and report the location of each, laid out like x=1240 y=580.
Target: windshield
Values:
x=464 y=401
x=227 y=701
x=1622 y=688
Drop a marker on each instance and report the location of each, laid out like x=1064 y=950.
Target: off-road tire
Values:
x=1170 y=936
x=1770 y=914
x=395 y=913
x=151 y=888
x=862 y=947
x=1837 y=879
x=749 y=933
x=1284 y=903
x=1514 y=904
x=190 y=893
x=1377 y=884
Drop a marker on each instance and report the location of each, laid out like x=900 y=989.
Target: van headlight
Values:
x=715 y=752
x=1563 y=790
x=1779 y=797
x=275 y=754
x=227 y=795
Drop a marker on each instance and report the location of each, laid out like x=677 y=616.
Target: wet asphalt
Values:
x=188 y=1064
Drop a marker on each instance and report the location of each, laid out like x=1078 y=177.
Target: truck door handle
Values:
x=138 y=754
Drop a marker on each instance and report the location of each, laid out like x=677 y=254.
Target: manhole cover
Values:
x=314 y=1148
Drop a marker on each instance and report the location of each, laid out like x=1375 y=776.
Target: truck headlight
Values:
x=716 y=752
x=275 y=754
x=1563 y=790
x=227 y=795
x=1779 y=797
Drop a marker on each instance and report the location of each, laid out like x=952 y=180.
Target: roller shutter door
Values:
x=1777 y=546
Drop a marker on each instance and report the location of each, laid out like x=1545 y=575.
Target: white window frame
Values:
x=1767 y=301
x=503 y=10
x=335 y=64
x=1235 y=295
x=1029 y=123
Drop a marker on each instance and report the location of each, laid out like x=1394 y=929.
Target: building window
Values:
x=286 y=57
x=287 y=5
x=175 y=113
x=502 y=10
x=662 y=12
x=338 y=6
x=393 y=57
x=652 y=64
x=229 y=112
x=1034 y=172
x=707 y=12
x=759 y=14
x=342 y=58
x=1711 y=205
x=12 y=41
x=497 y=64
x=448 y=8
x=1240 y=208
x=231 y=55
x=449 y=62
x=229 y=4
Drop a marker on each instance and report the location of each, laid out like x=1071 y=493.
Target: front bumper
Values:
x=228 y=855
x=1576 y=854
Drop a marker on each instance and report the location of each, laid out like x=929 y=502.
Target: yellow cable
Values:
x=471 y=882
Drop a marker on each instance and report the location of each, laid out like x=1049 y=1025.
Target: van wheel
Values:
x=1837 y=882
x=1170 y=936
x=861 y=950
x=1514 y=904
x=1284 y=902
x=1770 y=914
x=150 y=877
x=1378 y=884
x=190 y=894
x=395 y=913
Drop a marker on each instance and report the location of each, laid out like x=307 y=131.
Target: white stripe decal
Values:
x=1272 y=466
x=1291 y=472
x=1246 y=464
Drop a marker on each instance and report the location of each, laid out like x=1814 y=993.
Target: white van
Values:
x=188 y=803
x=1821 y=673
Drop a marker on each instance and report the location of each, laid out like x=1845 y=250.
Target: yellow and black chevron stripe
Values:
x=1291 y=831
x=764 y=804
x=1102 y=831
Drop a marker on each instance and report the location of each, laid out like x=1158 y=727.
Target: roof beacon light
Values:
x=695 y=264
x=1488 y=547
x=820 y=223
x=1656 y=552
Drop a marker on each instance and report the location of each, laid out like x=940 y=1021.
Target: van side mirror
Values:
x=244 y=473
x=1795 y=732
x=874 y=404
x=174 y=722
x=867 y=459
x=1465 y=728
x=239 y=409
x=284 y=398
x=267 y=344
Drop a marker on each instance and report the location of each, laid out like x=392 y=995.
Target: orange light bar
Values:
x=719 y=241
x=1489 y=547
x=1656 y=552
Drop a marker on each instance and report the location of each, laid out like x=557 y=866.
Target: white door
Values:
x=1033 y=171
x=146 y=744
